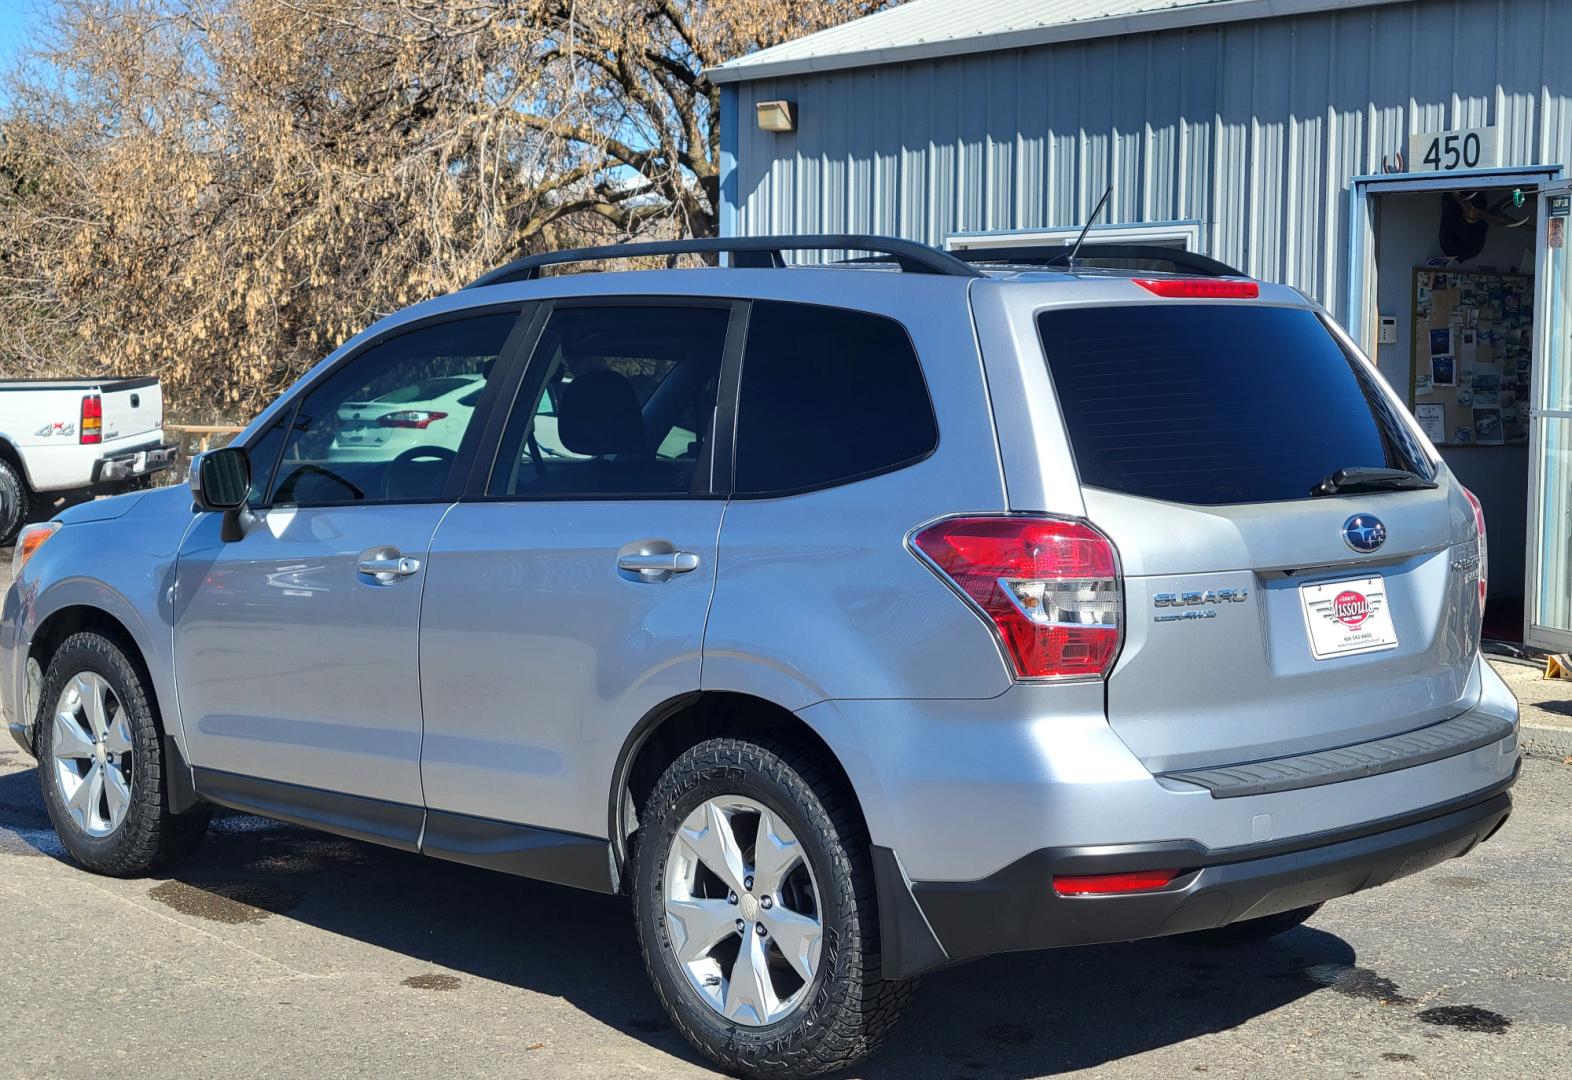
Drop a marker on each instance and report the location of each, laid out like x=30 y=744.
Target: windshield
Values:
x=1217 y=403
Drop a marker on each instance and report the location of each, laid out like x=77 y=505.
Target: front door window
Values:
x=388 y=426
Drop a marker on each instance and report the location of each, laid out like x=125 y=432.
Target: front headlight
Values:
x=28 y=541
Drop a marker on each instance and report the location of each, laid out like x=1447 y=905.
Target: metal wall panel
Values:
x=1252 y=128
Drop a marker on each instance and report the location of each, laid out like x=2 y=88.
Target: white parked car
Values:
x=74 y=438
x=431 y=412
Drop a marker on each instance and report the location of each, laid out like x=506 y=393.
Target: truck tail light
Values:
x=91 y=429
x=1200 y=288
x=410 y=418
x=1049 y=587
x=1484 y=549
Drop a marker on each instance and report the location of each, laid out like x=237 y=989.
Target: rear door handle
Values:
x=387 y=566
x=666 y=562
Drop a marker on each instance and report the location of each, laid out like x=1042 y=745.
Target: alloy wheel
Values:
x=742 y=909
x=92 y=754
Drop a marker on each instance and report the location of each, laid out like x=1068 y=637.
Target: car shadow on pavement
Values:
x=1016 y=1016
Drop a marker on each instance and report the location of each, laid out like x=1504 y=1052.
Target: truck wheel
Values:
x=14 y=499
x=1251 y=930
x=101 y=763
x=755 y=909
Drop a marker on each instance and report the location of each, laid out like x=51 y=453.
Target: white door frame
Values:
x=1360 y=303
x=1552 y=639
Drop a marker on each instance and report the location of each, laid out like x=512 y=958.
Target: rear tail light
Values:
x=1112 y=884
x=1050 y=588
x=92 y=427
x=411 y=418
x=1200 y=288
x=1484 y=550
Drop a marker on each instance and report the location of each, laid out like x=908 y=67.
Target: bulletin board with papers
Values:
x=1472 y=344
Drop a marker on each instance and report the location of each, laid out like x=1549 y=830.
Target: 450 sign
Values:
x=1453 y=151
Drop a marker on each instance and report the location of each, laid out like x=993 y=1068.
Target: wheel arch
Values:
x=69 y=619
x=908 y=945
x=684 y=721
x=74 y=618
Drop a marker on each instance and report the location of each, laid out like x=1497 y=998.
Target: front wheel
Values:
x=101 y=763
x=755 y=909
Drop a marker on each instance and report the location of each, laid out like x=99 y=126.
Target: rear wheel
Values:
x=1251 y=930
x=101 y=763
x=756 y=914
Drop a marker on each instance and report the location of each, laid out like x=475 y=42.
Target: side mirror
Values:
x=221 y=481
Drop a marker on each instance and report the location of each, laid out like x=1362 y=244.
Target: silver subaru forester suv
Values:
x=854 y=618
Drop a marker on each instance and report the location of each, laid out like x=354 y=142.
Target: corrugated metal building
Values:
x=1283 y=137
x=1247 y=119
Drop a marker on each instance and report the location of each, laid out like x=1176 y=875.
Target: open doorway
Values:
x=1454 y=290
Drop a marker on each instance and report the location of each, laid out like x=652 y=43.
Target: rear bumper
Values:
x=123 y=466
x=966 y=796
x=1017 y=908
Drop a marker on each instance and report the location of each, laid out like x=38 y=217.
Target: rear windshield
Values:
x=1215 y=404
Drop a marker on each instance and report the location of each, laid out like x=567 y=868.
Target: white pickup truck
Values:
x=71 y=439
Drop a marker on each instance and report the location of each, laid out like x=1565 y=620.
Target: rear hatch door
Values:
x=1262 y=620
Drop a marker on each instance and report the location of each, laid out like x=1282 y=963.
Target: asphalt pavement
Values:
x=279 y=952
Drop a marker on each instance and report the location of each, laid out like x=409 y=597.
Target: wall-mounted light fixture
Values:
x=777 y=115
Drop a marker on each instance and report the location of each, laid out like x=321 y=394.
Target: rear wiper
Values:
x=1364 y=478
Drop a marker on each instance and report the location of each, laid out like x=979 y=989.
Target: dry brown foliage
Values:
x=220 y=191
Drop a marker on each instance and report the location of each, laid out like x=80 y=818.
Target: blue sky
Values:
x=17 y=18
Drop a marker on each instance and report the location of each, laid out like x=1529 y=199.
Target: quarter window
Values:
x=828 y=396
x=263 y=452
x=387 y=427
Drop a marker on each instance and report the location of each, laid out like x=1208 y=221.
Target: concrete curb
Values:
x=1550 y=742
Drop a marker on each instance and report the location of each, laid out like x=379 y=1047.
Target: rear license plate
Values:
x=1348 y=617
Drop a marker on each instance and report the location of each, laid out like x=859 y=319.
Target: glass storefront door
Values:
x=1548 y=612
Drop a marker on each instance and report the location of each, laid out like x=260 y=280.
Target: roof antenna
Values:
x=1079 y=240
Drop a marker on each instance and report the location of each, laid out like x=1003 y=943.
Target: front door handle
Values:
x=666 y=562
x=386 y=566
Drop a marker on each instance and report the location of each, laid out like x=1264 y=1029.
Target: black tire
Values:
x=1251 y=930
x=849 y=1006
x=15 y=501
x=150 y=837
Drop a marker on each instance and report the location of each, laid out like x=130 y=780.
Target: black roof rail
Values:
x=757 y=252
x=1050 y=256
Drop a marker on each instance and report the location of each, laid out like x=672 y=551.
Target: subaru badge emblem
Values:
x=1364 y=532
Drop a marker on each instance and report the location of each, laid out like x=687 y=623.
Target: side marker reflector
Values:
x=1112 y=884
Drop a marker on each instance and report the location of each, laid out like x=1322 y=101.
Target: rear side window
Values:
x=622 y=403
x=828 y=396
x=1213 y=404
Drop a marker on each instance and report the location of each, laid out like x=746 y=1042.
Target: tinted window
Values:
x=386 y=427
x=827 y=396
x=263 y=452
x=1215 y=404
x=618 y=401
